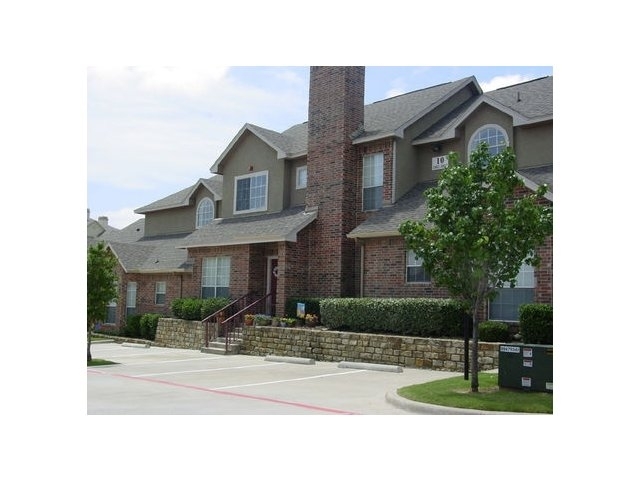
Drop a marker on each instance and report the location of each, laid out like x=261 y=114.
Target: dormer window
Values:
x=204 y=213
x=250 y=193
x=493 y=135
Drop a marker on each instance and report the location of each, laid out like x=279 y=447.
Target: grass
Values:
x=96 y=362
x=456 y=392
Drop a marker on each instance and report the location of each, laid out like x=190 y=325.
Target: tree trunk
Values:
x=89 y=346
x=474 y=352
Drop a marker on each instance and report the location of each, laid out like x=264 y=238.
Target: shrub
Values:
x=176 y=307
x=191 y=309
x=132 y=327
x=212 y=305
x=493 y=331
x=402 y=316
x=148 y=325
x=536 y=323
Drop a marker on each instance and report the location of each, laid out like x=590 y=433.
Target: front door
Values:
x=272 y=284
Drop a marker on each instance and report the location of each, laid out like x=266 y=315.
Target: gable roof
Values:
x=527 y=103
x=382 y=119
x=183 y=197
x=275 y=227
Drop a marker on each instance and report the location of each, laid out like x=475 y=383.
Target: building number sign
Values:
x=438 y=163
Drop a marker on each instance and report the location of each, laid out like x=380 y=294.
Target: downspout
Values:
x=361 y=269
x=393 y=176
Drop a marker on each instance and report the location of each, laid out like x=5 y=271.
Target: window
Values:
x=204 y=214
x=372 y=181
x=161 y=292
x=251 y=193
x=301 y=177
x=415 y=270
x=506 y=305
x=493 y=135
x=132 y=289
x=112 y=307
x=215 y=277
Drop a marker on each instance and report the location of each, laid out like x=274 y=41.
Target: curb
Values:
x=138 y=345
x=430 y=409
x=298 y=360
x=371 y=366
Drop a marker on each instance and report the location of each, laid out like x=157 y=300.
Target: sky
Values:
x=152 y=131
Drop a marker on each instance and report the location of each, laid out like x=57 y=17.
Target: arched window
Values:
x=493 y=135
x=204 y=215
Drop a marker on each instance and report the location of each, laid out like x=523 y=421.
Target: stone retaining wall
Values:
x=331 y=346
x=176 y=333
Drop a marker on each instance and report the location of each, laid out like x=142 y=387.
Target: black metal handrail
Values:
x=228 y=321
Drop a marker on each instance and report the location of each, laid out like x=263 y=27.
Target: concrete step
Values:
x=218 y=348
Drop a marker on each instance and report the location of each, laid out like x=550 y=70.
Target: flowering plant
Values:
x=310 y=320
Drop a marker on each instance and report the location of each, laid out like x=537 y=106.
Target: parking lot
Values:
x=167 y=381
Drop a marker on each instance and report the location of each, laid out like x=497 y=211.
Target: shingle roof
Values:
x=153 y=255
x=412 y=206
x=282 y=226
x=532 y=99
x=387 y=117
x=539 y=175
x=385 y=222
x=181 y=198
x=381 y=119
x=526 y=102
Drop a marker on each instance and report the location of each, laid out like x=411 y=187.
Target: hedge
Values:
x=402 y=316
x=536 y=323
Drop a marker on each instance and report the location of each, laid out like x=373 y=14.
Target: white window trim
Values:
x=487 y=125
x=266 y=194
x=364 y=158
x=216 y=261
x=160 y=291
x=299 y=186
x=409 y=254
x=213 y=211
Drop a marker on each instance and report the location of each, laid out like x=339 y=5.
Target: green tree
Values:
x=101 y=286
x=477 y=231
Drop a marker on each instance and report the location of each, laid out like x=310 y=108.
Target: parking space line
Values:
x=234 y=394
x=204 y=370
x=289 y=380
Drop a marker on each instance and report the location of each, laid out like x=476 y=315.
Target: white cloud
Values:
x=394 y=92
x=149 y=127
x=503 y=81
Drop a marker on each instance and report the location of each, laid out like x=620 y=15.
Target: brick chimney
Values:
x=336 y=111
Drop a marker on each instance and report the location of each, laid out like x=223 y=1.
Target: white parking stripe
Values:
x=204 y=370
x=289 y=380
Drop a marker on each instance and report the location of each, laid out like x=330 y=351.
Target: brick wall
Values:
x=336 y=110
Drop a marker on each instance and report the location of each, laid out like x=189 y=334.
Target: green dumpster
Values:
x=526 y=367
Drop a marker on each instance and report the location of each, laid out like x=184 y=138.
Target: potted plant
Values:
x=249 y=319
x=311 y=320
x=262 y=320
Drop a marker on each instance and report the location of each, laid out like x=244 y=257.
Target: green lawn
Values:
x=97 y=362
x=456 y=392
